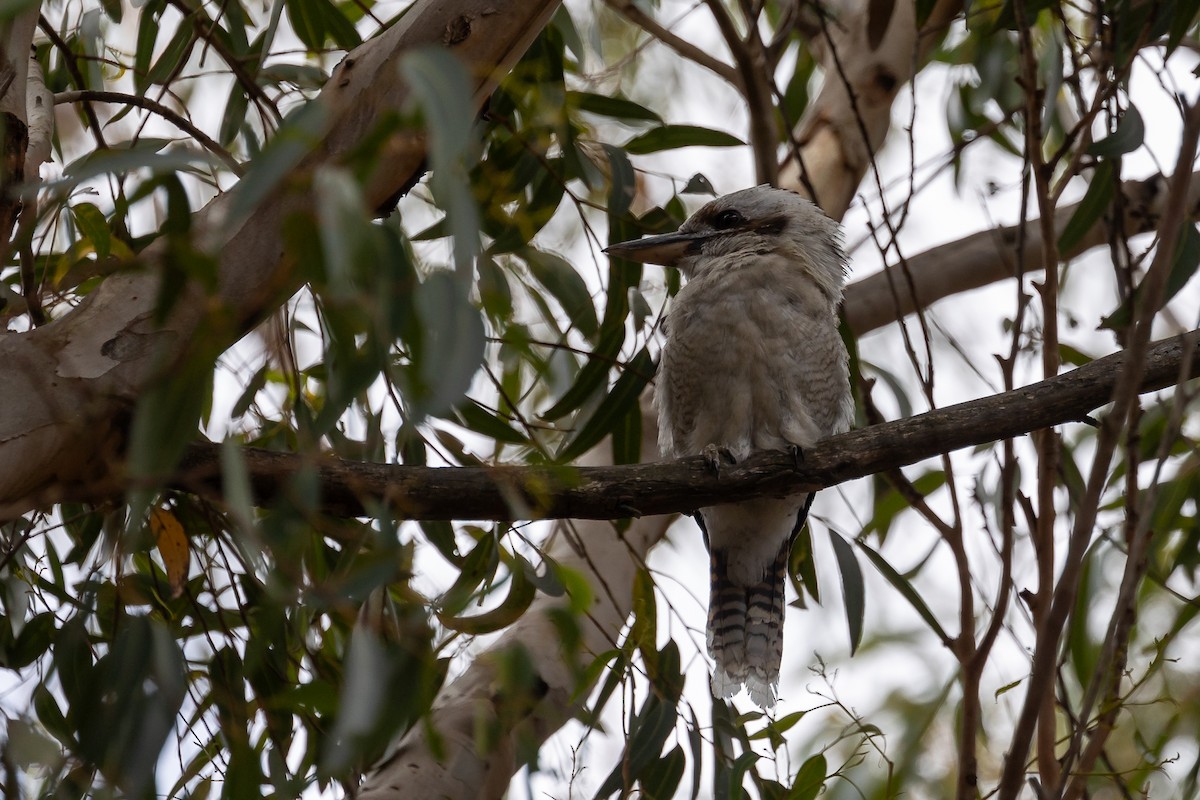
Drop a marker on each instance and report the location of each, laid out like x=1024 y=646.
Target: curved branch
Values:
x=506 y=493
x=167 y=113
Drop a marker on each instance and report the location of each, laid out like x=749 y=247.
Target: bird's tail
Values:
x=745 y=630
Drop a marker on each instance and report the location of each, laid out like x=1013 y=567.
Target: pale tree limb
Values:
x=74 y=381
x=846 y=124
x=989 y=256
x=352 y=488
x=16 y=39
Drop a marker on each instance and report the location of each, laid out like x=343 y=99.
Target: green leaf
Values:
x=591 y=377
x=643 y=633
x=661 y=779
x=889 y=503
x=624 y=396
x=141 y=155
x=253 y=386
x=94 y=227
x=1183 y=267
x=521 y=592
x=368 y=670
x=173 y=55
x=627 y=437
x=611 y=106
x=451 y=345
x=442 y=90
x=853 y=590
x=905 y=588
x=1128 y=136
x=698 y=184
x=234 y=117
x=566 y=285
x=1183 y=17
x=33 y=642
x=648 y=731
x=810 y=778
x=167 y=418
x=478 y=567
x=802 y=565
x=475 y=417
x=670 y=137
x=737 y=774
x=340 y=28
x=139 y=686
x=1095 y=203
x=308 y=21
x=565 y=26
x=300 y=133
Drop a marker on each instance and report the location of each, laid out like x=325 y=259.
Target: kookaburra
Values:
x=752 y=360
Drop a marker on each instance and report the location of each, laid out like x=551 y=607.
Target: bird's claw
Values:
x=797 y=453
x=714 y=455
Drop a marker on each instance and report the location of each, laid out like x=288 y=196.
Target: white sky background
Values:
x=914 y=665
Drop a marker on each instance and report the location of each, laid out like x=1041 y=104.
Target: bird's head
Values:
x=736 y=230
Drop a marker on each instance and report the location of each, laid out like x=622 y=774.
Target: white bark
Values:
x=16 y=38
x=846 y=124
x=39 y=111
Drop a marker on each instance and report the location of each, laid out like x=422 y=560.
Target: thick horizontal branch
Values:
x=512 y=492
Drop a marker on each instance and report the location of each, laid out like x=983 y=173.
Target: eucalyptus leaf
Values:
x=853 y=590
x=671 y=137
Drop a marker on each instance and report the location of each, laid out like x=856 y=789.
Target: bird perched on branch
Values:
x=753 y=360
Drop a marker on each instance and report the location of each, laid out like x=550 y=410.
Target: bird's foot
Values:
x=714 y=455
x=797 y=453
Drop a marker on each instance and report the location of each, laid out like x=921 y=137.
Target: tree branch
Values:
x=847 y=122
x=167 y=113
x=511 y=492
x=989 y=256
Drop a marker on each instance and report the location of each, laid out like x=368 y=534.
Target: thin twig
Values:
x=69 y=61
x=756 y=83
x=1124 y=396
x=681 y=46
x=170 y=115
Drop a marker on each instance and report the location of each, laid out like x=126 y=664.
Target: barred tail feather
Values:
x=745 y=630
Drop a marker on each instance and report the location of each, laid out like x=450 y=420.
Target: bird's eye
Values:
x=729 y=218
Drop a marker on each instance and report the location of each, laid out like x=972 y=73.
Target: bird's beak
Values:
x=665 y=250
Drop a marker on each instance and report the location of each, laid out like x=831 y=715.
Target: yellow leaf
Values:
x=172 y=547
